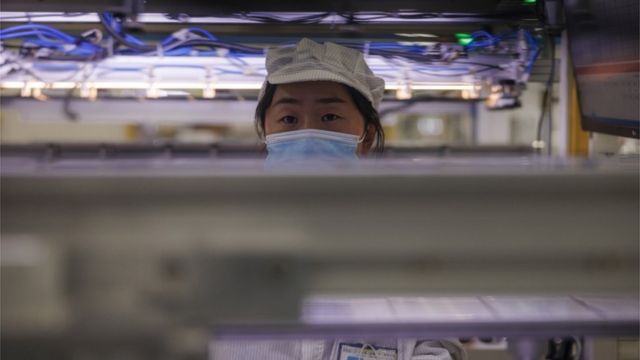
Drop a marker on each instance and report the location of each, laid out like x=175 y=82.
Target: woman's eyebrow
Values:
x=286 y=100
x=327 y=100
x=330 y=100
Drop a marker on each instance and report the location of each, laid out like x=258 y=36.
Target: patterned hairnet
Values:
x=311 y=61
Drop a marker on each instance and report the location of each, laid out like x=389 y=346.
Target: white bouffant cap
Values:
x=311 y=61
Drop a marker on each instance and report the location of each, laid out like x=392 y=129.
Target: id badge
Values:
x=366 y=352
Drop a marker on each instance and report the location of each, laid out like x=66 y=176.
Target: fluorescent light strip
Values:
x=130 y=85
x=47 y=17
x=201 y=86
x=432 y=86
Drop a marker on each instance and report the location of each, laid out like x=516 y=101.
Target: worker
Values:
x=319 y=101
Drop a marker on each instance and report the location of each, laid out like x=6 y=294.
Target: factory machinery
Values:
x=486 y=52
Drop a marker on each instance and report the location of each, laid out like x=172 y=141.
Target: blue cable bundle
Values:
x=49 y=37
x=195 y=41
x=78 y=48
x=482 y=39
x=171 y=45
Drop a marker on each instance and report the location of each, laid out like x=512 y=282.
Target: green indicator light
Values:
x=465 y=42
x=529 y=1
x=464 y=38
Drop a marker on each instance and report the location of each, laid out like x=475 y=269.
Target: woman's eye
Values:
x=330 y=117
x=289 y=120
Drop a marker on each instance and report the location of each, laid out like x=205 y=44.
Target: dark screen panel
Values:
x=603 y=40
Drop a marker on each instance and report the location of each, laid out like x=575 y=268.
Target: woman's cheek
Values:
x=353 y=127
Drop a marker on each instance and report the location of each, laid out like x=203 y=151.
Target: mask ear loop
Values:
x=364 y=134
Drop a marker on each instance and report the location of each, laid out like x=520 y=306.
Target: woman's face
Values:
x=323 y=105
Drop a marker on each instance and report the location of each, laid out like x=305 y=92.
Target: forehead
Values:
x=312 y=90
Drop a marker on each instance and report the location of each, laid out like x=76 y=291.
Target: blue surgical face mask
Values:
x=292 y=148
